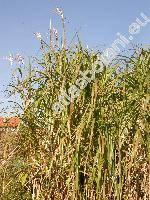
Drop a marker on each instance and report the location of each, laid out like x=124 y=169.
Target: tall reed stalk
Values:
x=98 y=147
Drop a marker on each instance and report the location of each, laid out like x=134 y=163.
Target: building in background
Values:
x=8 y=127
x=9 y=124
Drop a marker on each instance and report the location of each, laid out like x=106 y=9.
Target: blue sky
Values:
x=99 y=20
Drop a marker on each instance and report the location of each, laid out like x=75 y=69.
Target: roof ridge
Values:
x=9 y=121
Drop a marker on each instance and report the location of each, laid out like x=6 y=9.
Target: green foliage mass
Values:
x=98 y=147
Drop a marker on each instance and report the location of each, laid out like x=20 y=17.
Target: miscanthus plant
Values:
x=98 y=147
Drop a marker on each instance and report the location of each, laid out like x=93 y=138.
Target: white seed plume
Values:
x=38 y=35
x=60 y=12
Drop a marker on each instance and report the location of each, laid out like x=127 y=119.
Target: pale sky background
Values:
x=99 y=20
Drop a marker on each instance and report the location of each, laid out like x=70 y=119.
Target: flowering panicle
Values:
x=38 y=35
x=18 y=58
x=10 y=58
x=55 y=33
x=60 y=12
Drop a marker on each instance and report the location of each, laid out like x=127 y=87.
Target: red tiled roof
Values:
x=9 y=122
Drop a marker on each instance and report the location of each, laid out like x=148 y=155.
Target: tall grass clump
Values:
x=98 y=147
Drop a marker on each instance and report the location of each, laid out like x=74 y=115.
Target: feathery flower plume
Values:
x=55 y=33
x=10 y=58
x=18 y=58
x=60 y=12
x=38 y=35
